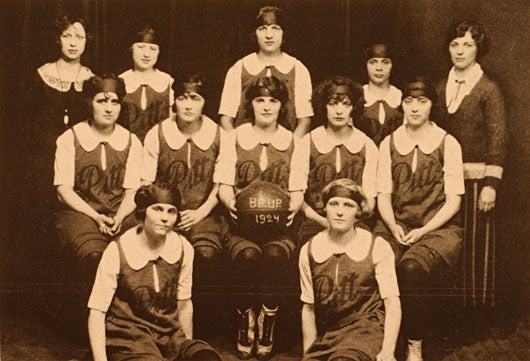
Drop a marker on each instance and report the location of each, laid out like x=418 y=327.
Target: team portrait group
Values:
x=365 y=199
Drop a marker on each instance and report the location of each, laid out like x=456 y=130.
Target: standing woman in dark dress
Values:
x=56 y=102
x=475 y=116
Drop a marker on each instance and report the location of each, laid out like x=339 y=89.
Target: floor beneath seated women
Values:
x=30 y=332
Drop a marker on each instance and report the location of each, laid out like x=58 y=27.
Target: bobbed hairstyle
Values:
x=104 y=83
x=418 y=86
x=191 y=83
x=347 y=188
x=267 y=86
x=268 y=15
x=148 y=195
x=459 y=29
x=331 y=88
x=62 y=23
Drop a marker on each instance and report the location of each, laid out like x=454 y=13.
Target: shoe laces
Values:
x=243 y=328
x=414 y=349
x=268 y=322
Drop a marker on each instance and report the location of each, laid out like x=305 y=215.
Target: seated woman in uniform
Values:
x=96 y=176
x=350 y=293
x=140 y=306
x=182 y=151
x=420 y=181
x=336 y=149
x=261 y=152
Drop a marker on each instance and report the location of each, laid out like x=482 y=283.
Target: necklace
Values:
x=66 y=119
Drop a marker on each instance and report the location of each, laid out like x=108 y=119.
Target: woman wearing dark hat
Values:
x=96 y=176
x=149 y=94
x=140 y=306
x=336 y=149
x=182 y=151
x=475 y=115
x=261 y=152
x=420 y=183
x=269 y=60
x=381 y=99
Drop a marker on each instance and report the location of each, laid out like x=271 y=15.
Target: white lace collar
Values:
x=404 y=144
x=159 y=80
x=49 y=75
x=324 y=142
x=203 y=139
x=89 y=140
x=248 y=138
x=322 y=248
x=136 y=256
x=392 y=98
x=254 y=65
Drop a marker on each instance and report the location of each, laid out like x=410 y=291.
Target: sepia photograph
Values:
x=316 y=180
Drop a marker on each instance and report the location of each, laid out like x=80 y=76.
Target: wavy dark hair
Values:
x=459 y=29
x=63 y=22
x=322 y=94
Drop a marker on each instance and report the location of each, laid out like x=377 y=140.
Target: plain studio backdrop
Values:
x=327 y=35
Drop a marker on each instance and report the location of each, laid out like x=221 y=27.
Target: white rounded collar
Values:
x=136 y=255
x=89 y=140
x=405 y=144
x=203 y=139
x=324 y=142
x=322 y=248
x=248 y=138
x=392 y=98
x=254 y=65
x=159 y=80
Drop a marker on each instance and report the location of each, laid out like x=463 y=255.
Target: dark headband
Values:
x=418 y=88
x=146 y=36
x=378 y=51
x=106 y=86
x=343 y=192
x=149 y=195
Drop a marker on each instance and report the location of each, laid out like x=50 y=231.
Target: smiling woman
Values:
x=149 y=94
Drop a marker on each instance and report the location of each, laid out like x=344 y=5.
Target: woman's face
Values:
x=270 y=38
x=145 y=55
x=339 y=112
x=73 y=41
x=341 y=213
x=379 y=70
x=416 y=110
x=160 y=219
x=463 y=51
x=189 y=107
x=105 y=109
x=266 y=110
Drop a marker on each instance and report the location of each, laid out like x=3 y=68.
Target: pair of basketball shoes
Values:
x=255 y=336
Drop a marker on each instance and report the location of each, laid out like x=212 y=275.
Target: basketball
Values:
x=262 y=210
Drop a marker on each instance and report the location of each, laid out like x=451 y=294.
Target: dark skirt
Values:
x=478 y=266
